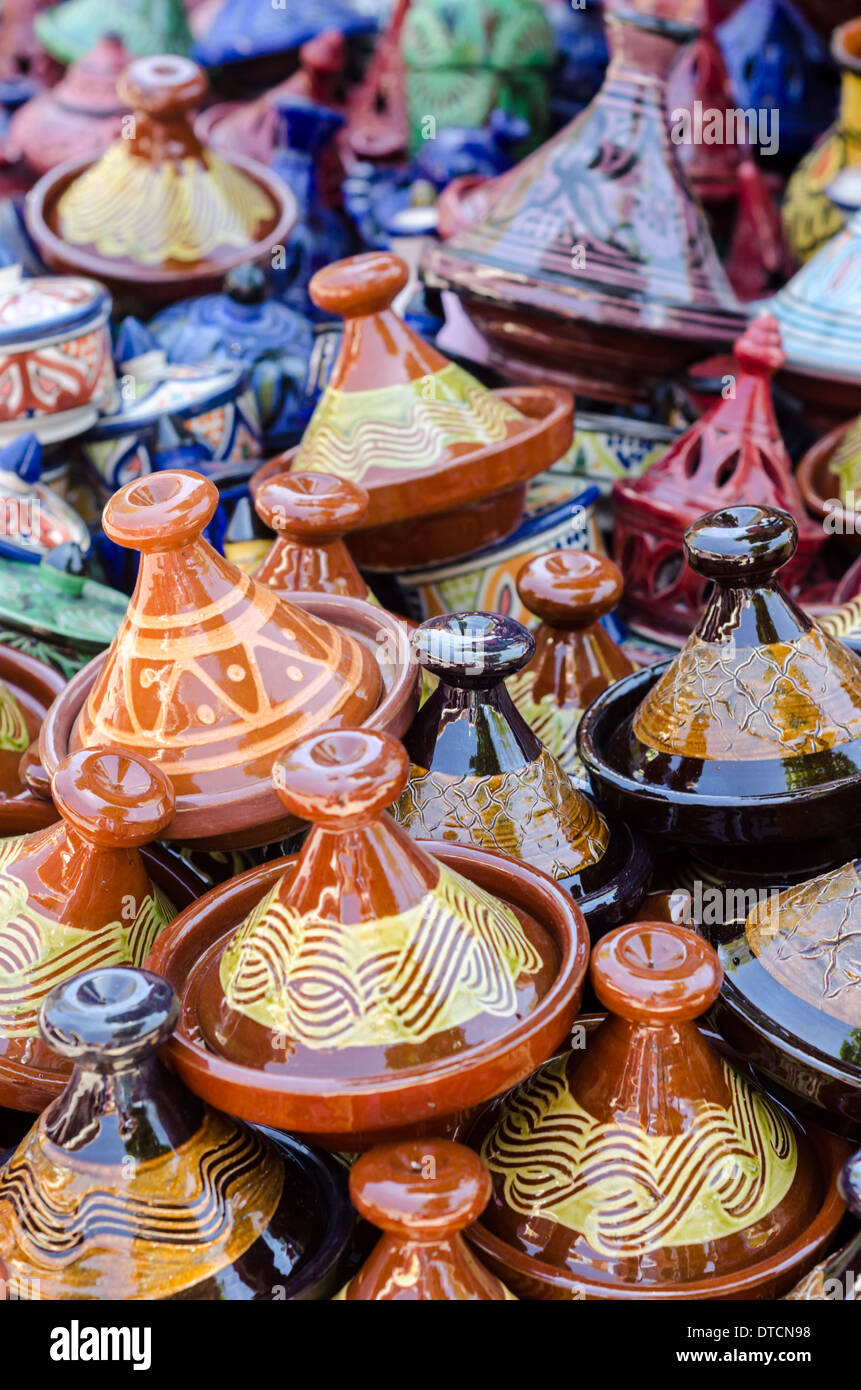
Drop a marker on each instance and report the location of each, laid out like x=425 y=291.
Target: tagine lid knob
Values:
x=112 y=798
x=109 y=1017
x=360 y=285
x=311 y=507
x=341 y=778
x=759 y=350
x=162 y=85
x=655 y=971
x=424 y=1189
x=163 y=511
x=472 y=650
x=570 y=588
x=741 y=543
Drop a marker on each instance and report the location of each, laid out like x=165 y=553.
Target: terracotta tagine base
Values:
x=28 y=688
x=375 y=917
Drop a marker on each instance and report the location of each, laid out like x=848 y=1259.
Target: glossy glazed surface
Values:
x=310 y=514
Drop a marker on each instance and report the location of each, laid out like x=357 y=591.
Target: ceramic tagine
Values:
x=377 y=121
x=575 y=657
x=211 y=674
x=56 y=603
x=28 y=687
x=464 y=62
x=127 y=1187
x=310 y=514
x=444 y=461
x=481 y=776
x=421 y=1195
x=159 y=214
x=733 y=454
x=70 y=30
x=581 y=48
x=34 y=519
x=374 y=986
x=750 y=736
x=644 y=1165
x=79 y=117
x=243 y=31
x=829 y=476
x=201 y=415
x=810 y=216
x=243 y=322
x=589 y=267
x=55 y=354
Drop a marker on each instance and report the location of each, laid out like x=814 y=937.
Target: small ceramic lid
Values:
x=243 y=30
x=310 y=514
x=242 y=322
x=645 y=1158
x=575 y=657
x=421 y=1195
x=81 y=115
x=371 y=956
x=211 y=674
x=760 y=700
x=819 y=311
x=47 y=309
x=479 y=773
x=128 y=1187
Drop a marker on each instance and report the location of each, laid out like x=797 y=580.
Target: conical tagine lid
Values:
x=645 y=1158
x=479 y=773
x=370 y=956
x=129 y=1187
x=211 y=674
x=760 y=699
x=422 y=1195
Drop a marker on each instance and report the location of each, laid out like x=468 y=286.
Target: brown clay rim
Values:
x=793 y=1261
x=846 y=46
x=818 y=484
x=62 y=255
x=472 y=477
x=331 y=1108
x=36 y=685
x=254 y=815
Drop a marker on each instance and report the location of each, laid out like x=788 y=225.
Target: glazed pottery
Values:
x=589 y=268
x=749 y=735
x=829 y=476
x=24 y=62
x=27 y=689
x=581 y=62
x=56 y=601
x=700 y=76
x=421 y=1195
x=463 y=62
x=70 y=30
x=76 y=894
x=645 y=1166
x=211 y=674
x=481 y=776
x=56 y=367
x=777 y=62
x=202 y=415
x=733 y=454
x=243 y=30
x=377 y=122
x=757 y=262
x=271 y=341
x=128 y=1188
x=810 y=217
x=81 y=116
x=444 y=461
x=575 y=658
x=34 y=519
x=310 y=514
x=836 y=1277
x=460 y=966
x=158 y=214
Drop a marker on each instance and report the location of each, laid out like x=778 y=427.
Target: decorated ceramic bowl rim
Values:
x=63 y=327
x=831 y=1153
x=90 y=264
x=255 y=807
x=817 y=460
x=791 y=1044
x=144 y=414
x=207 y=1072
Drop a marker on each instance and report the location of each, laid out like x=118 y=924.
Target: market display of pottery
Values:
x=430 y=661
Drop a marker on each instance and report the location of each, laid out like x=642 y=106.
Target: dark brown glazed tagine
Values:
x=575 y=657
x=211 y=674
x=159 y=214
x=422 y=1195
x=753 y=732
x=480 y=775
x=310 y=514
x=372 y=983
x=128 y=1187
x=28 y=688
x=591 y=262
x=444 y=460
x=644 y=1165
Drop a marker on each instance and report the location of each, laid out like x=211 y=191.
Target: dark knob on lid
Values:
x=246 y=284
x=341 y=778
x=655 y=971
x=741 y=543
x=311 y=508
x=110 y=1017
x=359 y=285
x=113 y=799
x=423 y=1189
x=570 y=588
x=472 y=651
